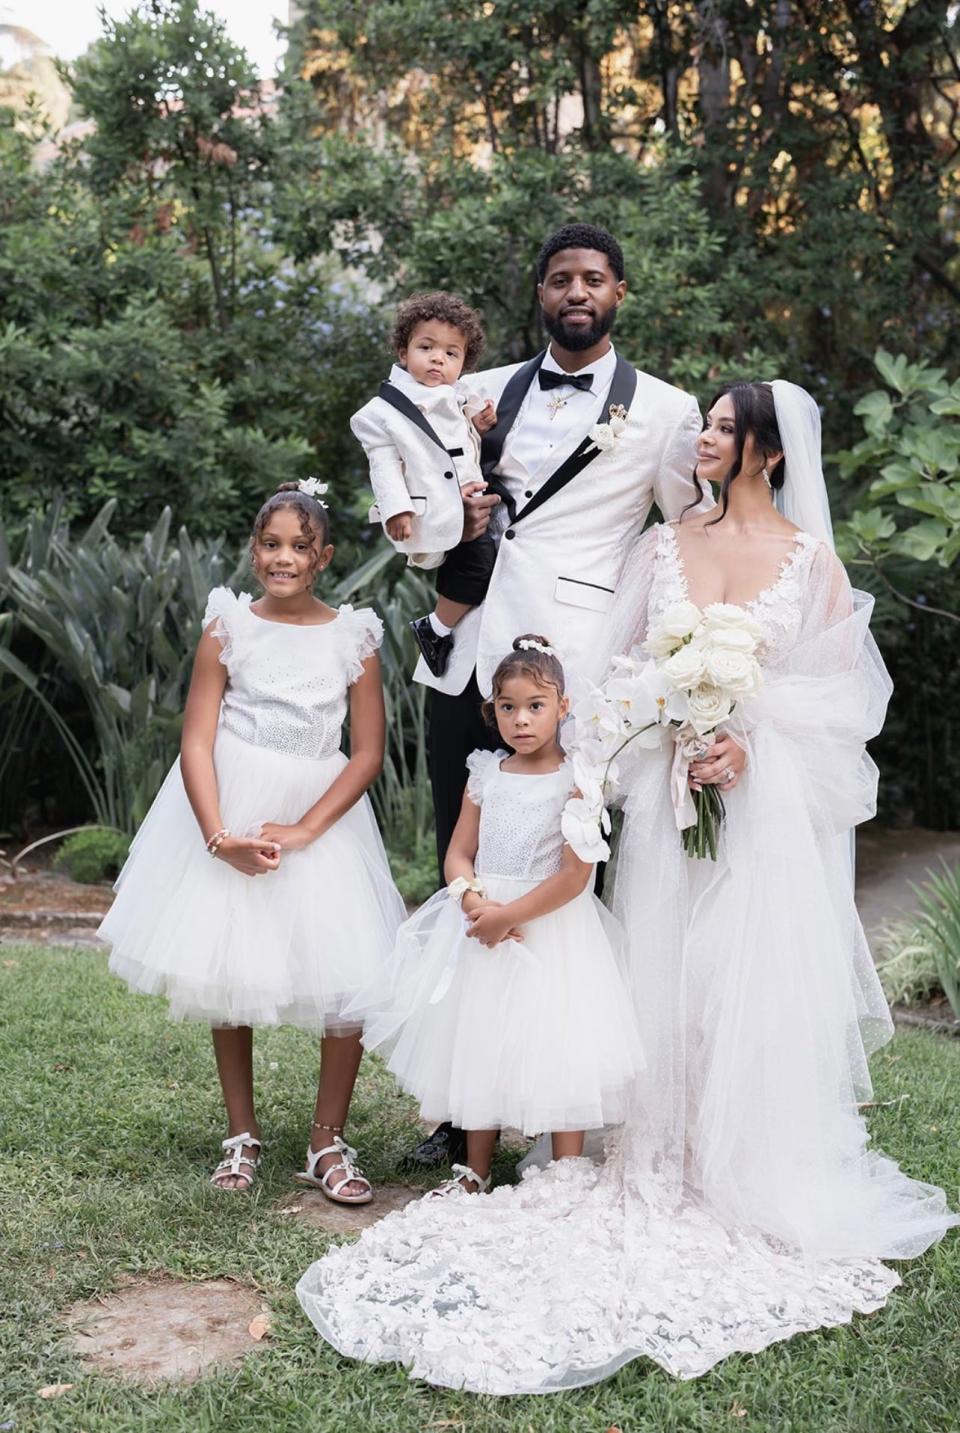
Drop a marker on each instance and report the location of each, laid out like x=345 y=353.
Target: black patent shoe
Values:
x=434 y=649
x=446 y=1145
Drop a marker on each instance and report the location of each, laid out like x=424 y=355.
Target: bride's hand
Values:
x=722 y=766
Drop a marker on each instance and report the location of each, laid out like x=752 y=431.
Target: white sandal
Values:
x=231 y=1165
x=351 y=1173
x=454 y=1186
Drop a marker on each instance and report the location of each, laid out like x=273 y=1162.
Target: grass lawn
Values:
x=109 y=1125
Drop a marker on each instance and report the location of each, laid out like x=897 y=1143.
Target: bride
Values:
x=740 y=1203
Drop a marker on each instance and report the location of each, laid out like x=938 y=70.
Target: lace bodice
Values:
x=519 y=817
x=287 y=685
x=778 y=608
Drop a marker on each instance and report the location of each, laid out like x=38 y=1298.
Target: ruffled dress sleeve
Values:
x=224 y=613
x=480 y=767
x=364 y=636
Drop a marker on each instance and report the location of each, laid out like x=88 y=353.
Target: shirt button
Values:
x=448 y=475
x=509 y=533
x=528 y=493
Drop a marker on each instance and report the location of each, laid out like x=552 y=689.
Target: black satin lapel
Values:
x=491 y=445
x=391 y=394
x=622 y=388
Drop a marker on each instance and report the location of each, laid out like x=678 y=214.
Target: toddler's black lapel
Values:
x=391 y=394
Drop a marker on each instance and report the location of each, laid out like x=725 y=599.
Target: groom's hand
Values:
x=478 y=504
x=722 y=766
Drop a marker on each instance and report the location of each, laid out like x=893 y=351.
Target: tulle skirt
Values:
x=295 y=946
x=535 y=1036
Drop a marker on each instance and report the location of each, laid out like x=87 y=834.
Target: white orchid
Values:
x=585 y=829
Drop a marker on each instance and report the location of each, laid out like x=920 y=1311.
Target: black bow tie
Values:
x=550 y=379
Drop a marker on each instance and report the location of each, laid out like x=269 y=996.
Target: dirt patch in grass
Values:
x=316 y=1210
x=168 y=1330
x=47 y=891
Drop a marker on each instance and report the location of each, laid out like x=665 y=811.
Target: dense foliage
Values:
x=195 y=284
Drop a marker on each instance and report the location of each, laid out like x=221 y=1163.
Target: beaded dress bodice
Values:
x=520 y=832
x=778 y=608
x=287 y=685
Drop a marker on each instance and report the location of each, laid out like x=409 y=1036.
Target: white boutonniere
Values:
x=605 y=435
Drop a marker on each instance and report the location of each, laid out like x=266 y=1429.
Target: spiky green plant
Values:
x=906 y=961
x=940 y=921
x=121 y=622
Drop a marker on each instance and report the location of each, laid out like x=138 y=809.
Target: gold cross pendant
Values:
x=555 y=403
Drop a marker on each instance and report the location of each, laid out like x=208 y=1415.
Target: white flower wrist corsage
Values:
x=459 y=886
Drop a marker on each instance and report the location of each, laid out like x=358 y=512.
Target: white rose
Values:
x=685 y=668
x=737 y=672
x=603 y=435
x=681 y=619
x=738 y=638
x=728 y=614
x=707 y=708
x=660 y=644
x=583 y=830
x=617 y=425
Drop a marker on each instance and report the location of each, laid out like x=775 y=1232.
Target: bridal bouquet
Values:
x=688 y=676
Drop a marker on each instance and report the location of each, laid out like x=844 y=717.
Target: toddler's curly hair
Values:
x=444 y=308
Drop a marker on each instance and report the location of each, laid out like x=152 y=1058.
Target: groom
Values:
x=564 y=504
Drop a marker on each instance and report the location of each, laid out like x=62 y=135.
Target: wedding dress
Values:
x=740 y=1203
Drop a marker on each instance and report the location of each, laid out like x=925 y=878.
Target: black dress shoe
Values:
x=446 y=1145
x=434 y=648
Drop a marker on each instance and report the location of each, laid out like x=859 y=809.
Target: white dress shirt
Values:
x=442 y=406
x=550 y=424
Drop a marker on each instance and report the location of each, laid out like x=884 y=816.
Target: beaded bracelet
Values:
x=216 y=841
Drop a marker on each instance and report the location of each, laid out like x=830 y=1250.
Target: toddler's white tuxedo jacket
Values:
x=420 y=448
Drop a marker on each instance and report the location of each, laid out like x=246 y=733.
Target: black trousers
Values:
x=464 y=575
x=456 y=728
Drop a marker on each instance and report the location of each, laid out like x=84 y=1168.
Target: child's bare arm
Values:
x=491 y=924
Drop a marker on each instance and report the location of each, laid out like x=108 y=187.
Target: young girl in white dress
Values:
x=509 y=1007
x=257 y=890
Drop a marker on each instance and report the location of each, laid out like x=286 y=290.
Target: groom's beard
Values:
x=575 y=339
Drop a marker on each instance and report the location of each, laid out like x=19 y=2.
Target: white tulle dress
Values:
x=537 y=1035
x=300 y=944
x=740 y=1203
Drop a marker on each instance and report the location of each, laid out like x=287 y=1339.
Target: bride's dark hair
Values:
x=754 y=413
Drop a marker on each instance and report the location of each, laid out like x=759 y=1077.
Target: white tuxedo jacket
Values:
x=418 y=460
x=562 y=553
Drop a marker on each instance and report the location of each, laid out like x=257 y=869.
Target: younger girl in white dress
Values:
x=509 y=1007
x=257 y=890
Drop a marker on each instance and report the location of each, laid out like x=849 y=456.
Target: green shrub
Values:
x=415 y=872
x=940 y=923
x=906 y=963
x=95 y=854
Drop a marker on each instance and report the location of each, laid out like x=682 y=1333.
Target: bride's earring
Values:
x=766 y=478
